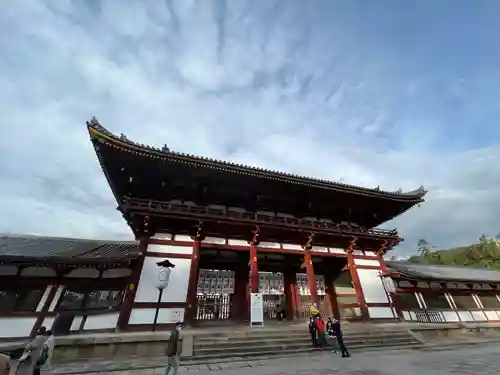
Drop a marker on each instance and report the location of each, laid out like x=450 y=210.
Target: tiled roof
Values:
x=36 y=247
x=445 y=273
x=97 y=130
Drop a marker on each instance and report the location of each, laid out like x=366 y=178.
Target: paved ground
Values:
x=483 y=360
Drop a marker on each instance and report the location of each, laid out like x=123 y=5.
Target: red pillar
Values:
x=357 y=286
x=311 y=278
x=254 y=270
x=128 y=301
x=192 y=299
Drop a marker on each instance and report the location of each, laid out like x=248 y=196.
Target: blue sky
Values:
x=389 y=93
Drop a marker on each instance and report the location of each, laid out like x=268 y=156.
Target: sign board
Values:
x=177 y=315
x=256 y=310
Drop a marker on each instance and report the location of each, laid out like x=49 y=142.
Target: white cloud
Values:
x=280 y=90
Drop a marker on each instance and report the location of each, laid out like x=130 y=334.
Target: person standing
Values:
x=314 y=311
x=331 y=336
x=320 y=328
x=312 y=331
x=43 y=364
x=173 y=350
x=340 y=338
x=32 y=350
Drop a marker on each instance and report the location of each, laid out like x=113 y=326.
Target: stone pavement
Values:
x=478 y=360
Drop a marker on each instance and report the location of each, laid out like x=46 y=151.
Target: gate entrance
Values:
x=213 y=307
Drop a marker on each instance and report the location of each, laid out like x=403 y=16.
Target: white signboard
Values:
x=256 y=310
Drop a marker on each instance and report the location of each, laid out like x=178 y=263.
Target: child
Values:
x=320 y=327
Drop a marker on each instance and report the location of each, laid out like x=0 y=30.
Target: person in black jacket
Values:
x=332 y=339
x=173 y=350
x=340 y=339
x=312 y=331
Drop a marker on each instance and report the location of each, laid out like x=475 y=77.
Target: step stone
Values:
x=301 y=345
x=307 y=341
x=282 y=338
x=235 y=339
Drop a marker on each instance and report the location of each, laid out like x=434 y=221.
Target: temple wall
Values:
x=173 y=297
x=11 y=327
x=374 y=290
x=178 y=250
x=243 y=243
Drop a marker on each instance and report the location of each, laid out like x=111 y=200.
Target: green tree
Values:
x=423 y=248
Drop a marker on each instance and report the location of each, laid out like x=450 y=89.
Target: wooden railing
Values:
x=253 y=218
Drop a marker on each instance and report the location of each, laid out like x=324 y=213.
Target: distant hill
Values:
x=483 y=254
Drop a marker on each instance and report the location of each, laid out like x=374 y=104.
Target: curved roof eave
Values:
x=96 y=130
x=444 y=273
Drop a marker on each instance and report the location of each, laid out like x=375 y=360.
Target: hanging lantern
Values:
x=164 y=273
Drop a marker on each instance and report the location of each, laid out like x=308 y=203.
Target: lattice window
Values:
x=71 y=300
x=20 y=300
x=90 y=300
x=103 y=299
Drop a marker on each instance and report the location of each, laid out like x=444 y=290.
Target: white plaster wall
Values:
x=270 y=245
x=336 y=250
x=182 y=238
x=215 y=240
x=162 y=236
x=319 y=249
x=57 y=296
x=406 y=315
x=77 y=321
x=101 y=321
x=44 y=298
x=290 y=246
x=492 y=315
x=478 y=315
x=177 y=287
x=237 y=242
x=380 y=312
x=169 y=249
x=170 y=315
x=16 y=326
x=366 y=262
x=450 y=316
x=372 y=286
x=142 y=316
x=465 y=316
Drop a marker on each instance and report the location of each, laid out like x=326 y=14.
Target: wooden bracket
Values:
x=199 y=231
x=308 y=244
x=387 y=244
x=255 y=238
x=352 y=245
